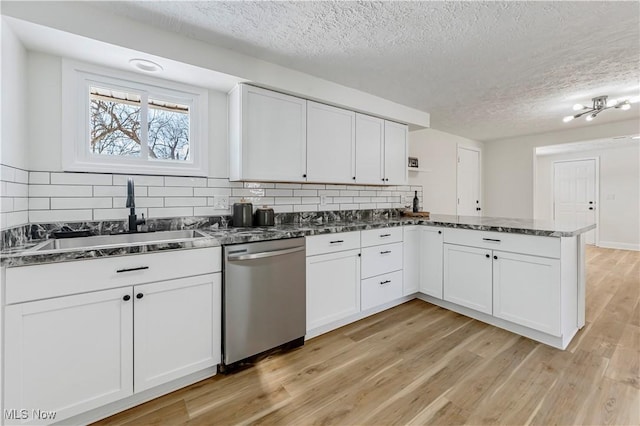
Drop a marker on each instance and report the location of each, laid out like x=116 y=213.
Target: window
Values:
x=122 y=122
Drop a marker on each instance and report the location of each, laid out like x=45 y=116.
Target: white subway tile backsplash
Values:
x=283 y=208
x=140 y=202
x=336 y=186
x=243 y=192
x=341 y=200
x=21 y=176
x=7 y=173
x=6 y=204
x=349 y=193
x=111 y=191
x=288 y=186
x=47 y=216
x=367 y=206
x=313 y=186
x=157 y=212
x=11 y=219
x=263 y=185
x=349 y=206
x=211 y=192
x=305 y=193
x=176 y=191
x=60 y=191
x=305 y=208
x=329 y=193
x=184 y=181
x=38 y=203
x=287 y=200
x=80 y=203
x=138 y=180
x=310 y=200
x=116 y=214
x=16 y=190
x=279 y=192
x=20 y=204
x=81 y=179
x=185 y=201
x=39 y=178
x=219 y=183
x=209 y=211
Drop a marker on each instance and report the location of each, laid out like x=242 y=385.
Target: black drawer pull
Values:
x=385 y=252
x=139 y=296
x=126 y=298
x=139 y=268
x=385 y=282
x=491 y=239
x=384 y=235
x=336 y=241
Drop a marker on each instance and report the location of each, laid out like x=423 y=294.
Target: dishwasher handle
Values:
x=264 y=254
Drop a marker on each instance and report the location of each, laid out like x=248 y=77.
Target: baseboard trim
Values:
x=619 y=246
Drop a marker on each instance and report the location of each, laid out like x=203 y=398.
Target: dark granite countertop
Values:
x=24 y=255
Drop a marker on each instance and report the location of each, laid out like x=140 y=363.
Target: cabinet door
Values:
x=430 y=262
x=273 y=136
x=411 y=259
x=369 y=149
x=333 y=287
x=331 y=144
x=467 y=277
x=526 y=291
x=177 y=329
x=69 y=354
x=395 y=153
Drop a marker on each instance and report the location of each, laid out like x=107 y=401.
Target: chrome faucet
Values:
x=131 y=205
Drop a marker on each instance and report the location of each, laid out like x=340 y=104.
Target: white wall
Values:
x=619 y=203
x=437 y=152
x=508 y=165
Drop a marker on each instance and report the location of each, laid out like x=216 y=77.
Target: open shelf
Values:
x=418 y=169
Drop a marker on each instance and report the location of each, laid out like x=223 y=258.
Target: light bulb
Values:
x=578 y=107
x=612 y=102
x=625 y=107
x=590 y=117
x=568 y=118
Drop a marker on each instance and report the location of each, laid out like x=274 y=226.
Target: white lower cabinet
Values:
x=176 y=328
x=411 y=259
x=431 y=261
x=381 y=289
x=333 y=287
x=526 y=291
x=468 y=277
x=69 y=354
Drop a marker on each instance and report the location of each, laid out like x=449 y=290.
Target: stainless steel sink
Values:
x=101 y=241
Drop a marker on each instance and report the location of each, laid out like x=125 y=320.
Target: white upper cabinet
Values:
x=331 y=144
x=268 y=135
x=369 y=150
x=395 y=153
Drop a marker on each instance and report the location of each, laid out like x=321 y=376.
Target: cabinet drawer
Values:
x=381 y=259
x=373 y=237
x=515 y=243
x=58 y=279
x=381 y=289
x=331 y=243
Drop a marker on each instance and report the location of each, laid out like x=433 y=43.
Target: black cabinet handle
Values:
x=385 y=252
x=590 y=208
x=590 y=202
x=478 y=209
x=354 y=178
x=139 y=296
x=385 y=282
x=439 y=232
x=387 y=180
x=491 y=239
x=304 y=175
x=336 y=241
x=126 y=297
x=139 y=268
x=384 y=235
x=487 y=256
x=495 y=257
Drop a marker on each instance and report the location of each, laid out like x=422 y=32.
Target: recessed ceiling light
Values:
x=145 y=65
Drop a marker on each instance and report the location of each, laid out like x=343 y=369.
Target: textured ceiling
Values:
x=484 y=70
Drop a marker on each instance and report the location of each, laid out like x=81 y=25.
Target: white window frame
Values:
x=77 y=78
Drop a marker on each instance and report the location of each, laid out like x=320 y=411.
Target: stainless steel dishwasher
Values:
x=264 y=296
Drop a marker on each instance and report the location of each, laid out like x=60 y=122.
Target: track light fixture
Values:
x=600 y=103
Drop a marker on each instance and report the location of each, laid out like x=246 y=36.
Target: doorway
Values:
x=469 y=182
x=575 y=194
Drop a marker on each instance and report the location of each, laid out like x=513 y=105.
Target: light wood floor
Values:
x=420 y=364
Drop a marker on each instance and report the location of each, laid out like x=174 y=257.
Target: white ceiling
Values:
x=484 y=70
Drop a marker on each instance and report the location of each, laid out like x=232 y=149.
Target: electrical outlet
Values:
x=221 y=203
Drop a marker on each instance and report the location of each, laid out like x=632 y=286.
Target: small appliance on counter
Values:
x=264 y=216
x=242 y=214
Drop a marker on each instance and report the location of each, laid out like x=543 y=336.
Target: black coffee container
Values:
x=242 y=214
x=264 y=216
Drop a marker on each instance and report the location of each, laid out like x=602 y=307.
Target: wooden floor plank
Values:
x=421 y=364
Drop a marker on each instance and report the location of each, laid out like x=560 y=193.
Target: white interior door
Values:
x=469 y=181
x=574 y=189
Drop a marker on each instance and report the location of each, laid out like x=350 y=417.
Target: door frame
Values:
x=596 y=241
x=480 y=192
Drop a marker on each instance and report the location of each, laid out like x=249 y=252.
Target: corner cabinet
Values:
x=267 y=135
x=83 y=334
